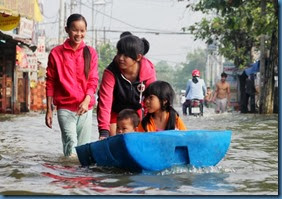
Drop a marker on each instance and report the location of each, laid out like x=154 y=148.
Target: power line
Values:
x=156 y=32
x=145 y=30
x=123 y=22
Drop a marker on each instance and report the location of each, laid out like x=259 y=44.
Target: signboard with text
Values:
x=26 y=60
x=26 y=28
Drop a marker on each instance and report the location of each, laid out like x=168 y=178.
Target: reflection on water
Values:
x=31 y=162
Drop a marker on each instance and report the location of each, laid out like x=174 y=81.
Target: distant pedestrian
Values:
x=182 y=97
x=250 y=94
x=209 y=97
x=222 y=94
x=72 y=80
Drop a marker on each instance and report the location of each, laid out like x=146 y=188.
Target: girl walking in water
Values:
x=72 y=80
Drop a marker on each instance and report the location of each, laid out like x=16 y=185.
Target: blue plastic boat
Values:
x=157 y=151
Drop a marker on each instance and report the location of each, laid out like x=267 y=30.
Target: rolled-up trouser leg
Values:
x=67 y=122
x=84 y=128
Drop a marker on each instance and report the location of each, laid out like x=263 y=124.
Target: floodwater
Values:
x=31 y=162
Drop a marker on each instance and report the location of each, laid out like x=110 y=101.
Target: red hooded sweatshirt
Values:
x=66 y=81
x=117 y=93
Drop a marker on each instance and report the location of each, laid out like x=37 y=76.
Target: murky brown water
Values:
x=31 y=162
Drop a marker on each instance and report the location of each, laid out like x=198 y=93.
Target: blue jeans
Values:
x=75 y=129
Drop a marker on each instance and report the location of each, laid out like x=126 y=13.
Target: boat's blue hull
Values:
x=157 y=151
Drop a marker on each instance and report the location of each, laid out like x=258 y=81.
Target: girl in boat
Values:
x=160 y=114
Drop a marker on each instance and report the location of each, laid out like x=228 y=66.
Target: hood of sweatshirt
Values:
x=147 y=70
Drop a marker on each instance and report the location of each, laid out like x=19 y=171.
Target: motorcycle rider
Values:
x=196 y=89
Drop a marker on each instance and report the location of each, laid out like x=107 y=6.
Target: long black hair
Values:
x=86 y=51
x=166 y=94
x=131 y=46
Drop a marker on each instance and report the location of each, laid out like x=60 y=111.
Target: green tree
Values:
x=238 y=27
x=106 y=54
x=164 y=72
x=194 y=60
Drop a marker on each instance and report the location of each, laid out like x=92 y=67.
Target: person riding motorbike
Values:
x=196 y=89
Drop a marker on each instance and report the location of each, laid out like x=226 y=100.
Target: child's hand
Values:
x=83 y=107
x=49 y=118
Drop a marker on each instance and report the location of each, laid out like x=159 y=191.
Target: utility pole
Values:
x=104 y=31
x=93 y=43
x=262 y=106
x=71 y=6
x=208 y=68
x=94 y=39
x=61 y=22
x=66 y=6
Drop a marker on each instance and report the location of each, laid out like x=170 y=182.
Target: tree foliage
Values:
x=239 y=26
x=106 y=53
x=164 y=72
x=194 y=60
x=235 y=26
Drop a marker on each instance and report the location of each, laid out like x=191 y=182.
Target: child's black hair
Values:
x=129 y=114
x=86 y=51
x=131 y=46
x=165 y=94
x=75 y=17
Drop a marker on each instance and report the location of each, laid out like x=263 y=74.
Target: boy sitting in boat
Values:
x=127 y=121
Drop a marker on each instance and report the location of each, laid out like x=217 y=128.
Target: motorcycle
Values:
x=196 y=107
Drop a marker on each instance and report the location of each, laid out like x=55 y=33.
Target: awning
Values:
x=8 y=22
x=254 y=68
x=27 y=8
x=13 y=38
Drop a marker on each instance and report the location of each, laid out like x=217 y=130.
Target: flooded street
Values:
x=31 y=162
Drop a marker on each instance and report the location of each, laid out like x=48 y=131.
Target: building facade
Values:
x=18 y=53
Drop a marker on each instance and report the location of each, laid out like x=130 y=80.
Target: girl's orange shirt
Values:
x=151 y=126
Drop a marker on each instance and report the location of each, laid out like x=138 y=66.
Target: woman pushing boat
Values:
x=124 y=82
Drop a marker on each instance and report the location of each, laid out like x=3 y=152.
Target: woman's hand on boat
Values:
x=102 y=138
x=103 y=134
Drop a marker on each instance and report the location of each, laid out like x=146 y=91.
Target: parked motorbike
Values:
x=196 y=107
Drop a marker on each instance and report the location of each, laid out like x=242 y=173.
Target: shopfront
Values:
x=7 y=63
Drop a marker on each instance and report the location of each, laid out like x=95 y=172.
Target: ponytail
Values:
x=87 y=61
x=172 y=118
x=145 y=121
x=146 y=45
